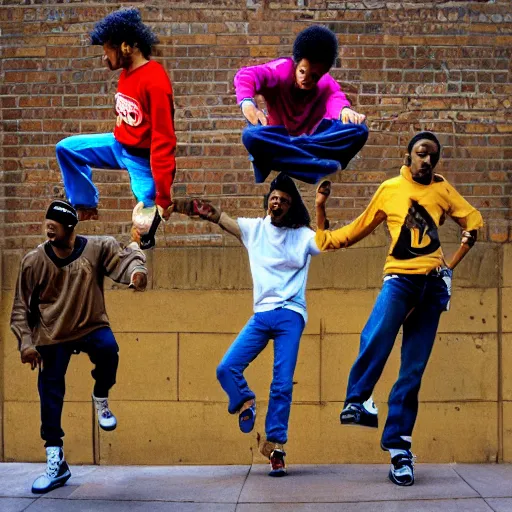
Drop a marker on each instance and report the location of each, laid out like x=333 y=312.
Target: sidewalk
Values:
x=351 y=488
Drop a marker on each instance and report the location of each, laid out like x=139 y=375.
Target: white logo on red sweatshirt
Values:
x=128 y=110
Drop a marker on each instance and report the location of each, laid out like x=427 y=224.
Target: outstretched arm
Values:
x=206 y=211
x=353 y=232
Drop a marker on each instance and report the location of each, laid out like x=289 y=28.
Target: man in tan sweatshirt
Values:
x=58 y=310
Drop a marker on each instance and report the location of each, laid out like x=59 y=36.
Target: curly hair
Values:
x=124 y=26
x=317 y=44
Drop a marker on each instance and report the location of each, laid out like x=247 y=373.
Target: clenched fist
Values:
x=139 y=281
x=31 y=356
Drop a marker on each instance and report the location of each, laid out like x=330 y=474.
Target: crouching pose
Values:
x=310 y=130
x=416 y=289
x=59 y=310
x=280 y=247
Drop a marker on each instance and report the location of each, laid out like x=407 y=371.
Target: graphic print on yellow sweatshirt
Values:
x=413 y=212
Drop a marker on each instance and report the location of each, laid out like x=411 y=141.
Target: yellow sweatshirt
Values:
x=413 y=212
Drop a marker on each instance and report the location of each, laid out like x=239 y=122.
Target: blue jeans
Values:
x=416 y=303
x=285 y=327
x=77 y=154
x=308 y=157
x=102 y=349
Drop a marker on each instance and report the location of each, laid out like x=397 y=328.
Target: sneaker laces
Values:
x=102 y=407
x=53 y=461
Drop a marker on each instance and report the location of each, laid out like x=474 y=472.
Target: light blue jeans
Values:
x=285 y=327
x=77 y=154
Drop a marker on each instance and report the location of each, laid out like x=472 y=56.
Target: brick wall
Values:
x=443 y=66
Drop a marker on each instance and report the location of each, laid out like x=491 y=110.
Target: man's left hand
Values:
x=165 y=213
x=348 y=115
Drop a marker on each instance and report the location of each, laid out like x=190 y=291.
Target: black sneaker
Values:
x=402 y=469
x=277 y=464
x=364 y=414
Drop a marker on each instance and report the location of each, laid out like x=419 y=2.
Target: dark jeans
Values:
x=416 y=303
x=102 y=349
x=308 y=157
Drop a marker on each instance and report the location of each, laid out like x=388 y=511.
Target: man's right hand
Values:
x=323 y=191
x=207 y=211
x=31 y=356
x=253 y=114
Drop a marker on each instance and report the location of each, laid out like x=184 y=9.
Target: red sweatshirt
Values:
x=145 y=119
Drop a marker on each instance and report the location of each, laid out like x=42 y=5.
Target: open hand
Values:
x=31 y=356
x=253 y=114
x=351 y=116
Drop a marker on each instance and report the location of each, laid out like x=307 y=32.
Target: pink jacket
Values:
x=298 y=111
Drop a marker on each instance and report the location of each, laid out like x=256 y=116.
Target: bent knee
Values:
x=64 y=146
x=251 y=136
x=222 y=371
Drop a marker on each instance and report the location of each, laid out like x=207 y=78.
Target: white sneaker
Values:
x=57 y=471
x=106 y=420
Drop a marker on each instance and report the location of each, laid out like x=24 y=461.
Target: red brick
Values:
x=54 y=86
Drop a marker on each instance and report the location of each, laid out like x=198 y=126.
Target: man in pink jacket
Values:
x=310 y=130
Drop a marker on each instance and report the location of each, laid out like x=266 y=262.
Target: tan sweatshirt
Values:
x=59 y=300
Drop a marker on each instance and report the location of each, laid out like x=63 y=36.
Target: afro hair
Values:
x=124 y=26
x=316 y=44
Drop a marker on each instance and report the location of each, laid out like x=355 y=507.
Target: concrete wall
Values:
x=171 y=409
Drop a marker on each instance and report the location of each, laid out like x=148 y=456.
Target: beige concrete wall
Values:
x=171 y=409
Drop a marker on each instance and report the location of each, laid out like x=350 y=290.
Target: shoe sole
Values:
x=351 y=420
x=401 y=484
x=246 y=420
x=56 y=485
x=108 y=429
x=278 y=473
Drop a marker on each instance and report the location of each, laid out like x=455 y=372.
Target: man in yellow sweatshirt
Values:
x=415 y=291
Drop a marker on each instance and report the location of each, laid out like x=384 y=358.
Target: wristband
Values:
x=247 y=99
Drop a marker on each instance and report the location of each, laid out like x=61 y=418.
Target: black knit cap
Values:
x=63 y=213
x=298 y=215
x=421 y=136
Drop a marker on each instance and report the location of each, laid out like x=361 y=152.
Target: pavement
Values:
x=324 y=488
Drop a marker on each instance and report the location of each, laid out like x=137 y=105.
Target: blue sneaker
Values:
x=247 y=416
